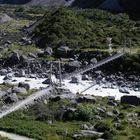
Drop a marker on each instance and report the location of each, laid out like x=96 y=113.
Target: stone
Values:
x=26 y=41
x=86 y=99
x=24 y=85
x=86 y=133
x=74 y=80
x=14 y=59
x=47 y=81
x=71 y=66
x=3 y=72
x=23 y=58
x=64 y=51
x=10 y=98
x=93 y=61
x=32 y=55
x=2 y=93
x=133 y=100
x=40 y=53
x=109 y=114
x=85 y=77
x=100 y=110
x=48 y=51
x=55 y=98
x=19 y=90
x=124 y=90
x=21 y=73
x=112 y=103
x=116 y=112
x=7 y=77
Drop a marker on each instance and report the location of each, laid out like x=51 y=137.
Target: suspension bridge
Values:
x=30 y=99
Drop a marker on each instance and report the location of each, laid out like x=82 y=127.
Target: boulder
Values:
x=124 y=90
x=85 y=77
x=109 y=114
x=19 y=90
x=86 y=99
x=10 y=98
x=24 y=85
x=133 y=100
x=14 y=59
x=48 y=51
x=32 y=55
x=21 y=73
x=116 y=112
x=3 y=72
x=74 y=80
x=101 y=110
x=93 y=61
x=23 y=58
x=2 y=93
x=73 y=65
x=8 y=77
x=112 y=103
x=86 y=133
x=26 y=41
x=64 y=51
x=47 y=81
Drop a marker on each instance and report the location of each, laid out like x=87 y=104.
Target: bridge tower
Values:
x=109 y=44
x=60 y=74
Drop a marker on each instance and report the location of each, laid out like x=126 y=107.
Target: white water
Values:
x=13 y=136
x=97 y=90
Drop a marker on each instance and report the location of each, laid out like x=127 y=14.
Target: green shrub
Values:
x=85 y=112
x=103 y=126
x=107 y=135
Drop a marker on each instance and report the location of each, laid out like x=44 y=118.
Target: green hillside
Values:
x=86 y=29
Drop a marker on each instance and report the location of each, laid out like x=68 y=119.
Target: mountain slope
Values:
x=115 y=5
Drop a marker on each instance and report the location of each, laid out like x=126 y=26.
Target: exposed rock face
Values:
x=4 y=18
x=115 y=5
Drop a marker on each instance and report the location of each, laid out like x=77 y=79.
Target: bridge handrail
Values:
x=92 y=66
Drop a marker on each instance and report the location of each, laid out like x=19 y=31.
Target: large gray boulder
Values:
x=133 y=100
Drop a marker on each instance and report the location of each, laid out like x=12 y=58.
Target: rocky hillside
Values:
x=117 y=5
x=14 y=1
